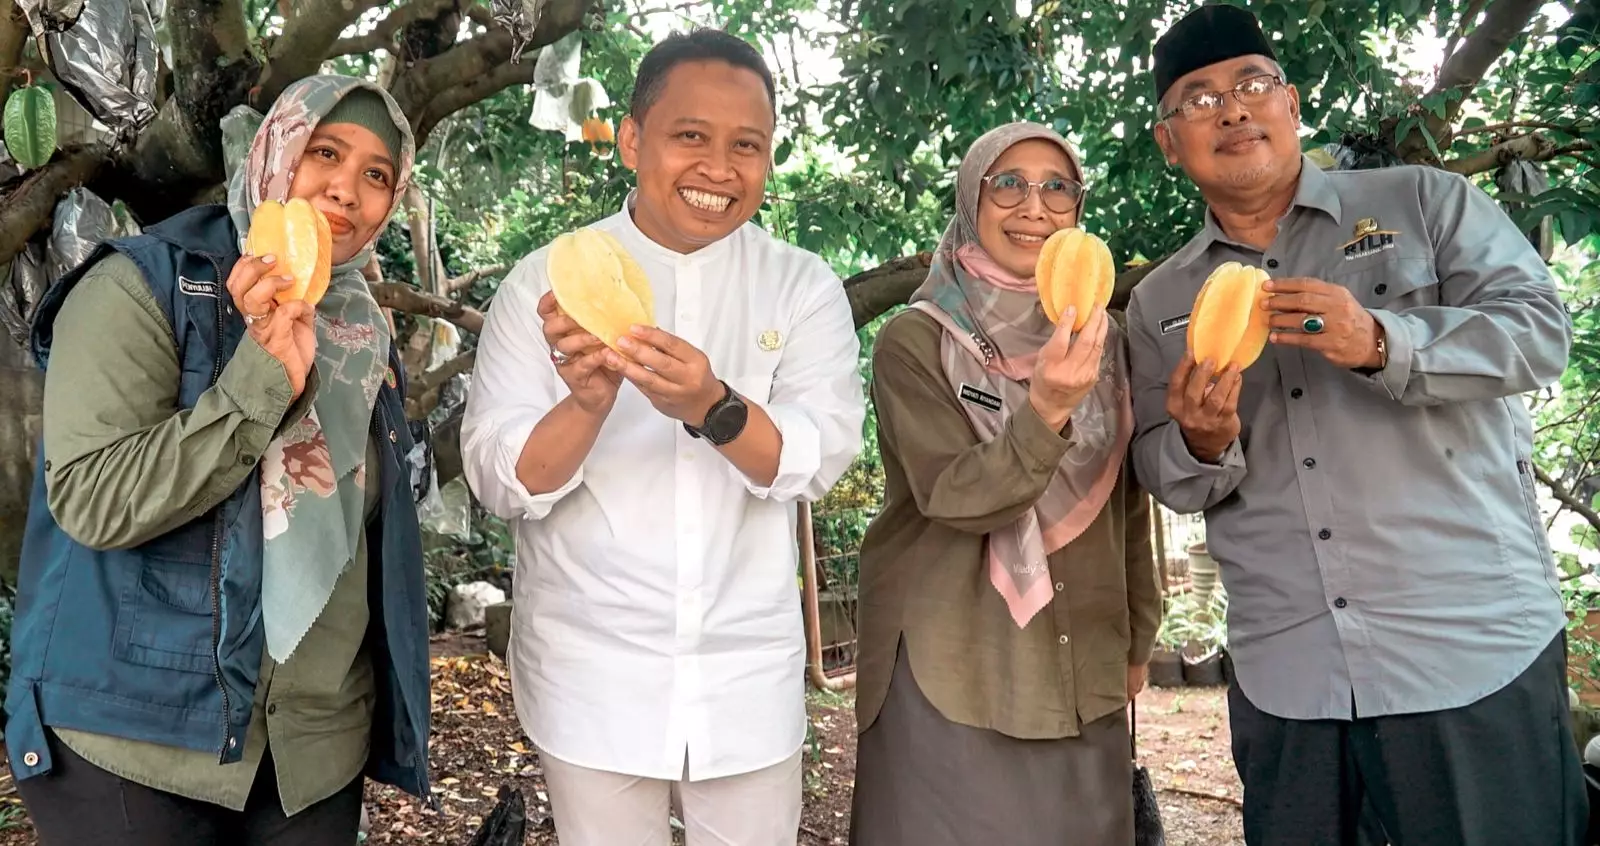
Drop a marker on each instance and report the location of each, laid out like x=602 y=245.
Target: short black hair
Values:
x=699 y=44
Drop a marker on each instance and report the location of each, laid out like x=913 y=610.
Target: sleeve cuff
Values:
x=530 y=506
x=302 y=404
x=1178 y=457
x=1035 y=439
x=1144 y=646
x=256 y=383
x=799 y=456
x=1396 y=373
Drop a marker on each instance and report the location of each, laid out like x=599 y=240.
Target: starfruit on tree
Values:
x=29 y=126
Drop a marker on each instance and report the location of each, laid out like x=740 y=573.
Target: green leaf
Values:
x=785 y=148
x=30 y=126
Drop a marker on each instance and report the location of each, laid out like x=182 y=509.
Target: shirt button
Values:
x=1064 y=639
x=1340 y=603
x=1061 y=586
x=1296 y=393
x=1273 y=263
x=1380 y=289
x=1324 y=534
x=272 y=708
x=31 y=759
x=247 y=460
x=1310 y=462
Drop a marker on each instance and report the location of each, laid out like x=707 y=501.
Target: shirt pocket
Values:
x=164 y=617
x=1394 y=285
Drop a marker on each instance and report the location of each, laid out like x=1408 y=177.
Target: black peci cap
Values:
x=1213 y=33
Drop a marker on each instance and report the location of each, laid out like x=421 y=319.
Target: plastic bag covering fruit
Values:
x=1074 y=269
x=599 y=285
x=1227 y=324
x=296 y=234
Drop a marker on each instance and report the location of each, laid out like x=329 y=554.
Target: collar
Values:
x=637 y=240
x=1313 y=190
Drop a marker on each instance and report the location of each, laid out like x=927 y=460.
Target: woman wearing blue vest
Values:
x=221 y=628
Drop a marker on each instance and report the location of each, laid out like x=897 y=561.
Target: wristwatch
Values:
x=725 y=421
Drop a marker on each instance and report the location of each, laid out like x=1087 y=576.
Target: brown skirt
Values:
x=922 y=780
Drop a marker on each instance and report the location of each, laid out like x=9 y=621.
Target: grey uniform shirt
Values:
x=1378 y=535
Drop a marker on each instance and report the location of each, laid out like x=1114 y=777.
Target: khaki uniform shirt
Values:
x=924 y=577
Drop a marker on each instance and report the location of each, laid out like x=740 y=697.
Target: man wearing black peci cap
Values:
x=1395 y=619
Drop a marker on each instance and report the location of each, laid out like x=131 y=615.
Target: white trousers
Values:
x=596 y=808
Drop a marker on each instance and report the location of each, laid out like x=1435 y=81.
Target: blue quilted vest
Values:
x=162 y=642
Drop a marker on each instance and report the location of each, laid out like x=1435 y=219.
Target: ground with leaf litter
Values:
x=477 y=746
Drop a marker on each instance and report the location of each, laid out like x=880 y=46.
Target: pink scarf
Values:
x=994 y=328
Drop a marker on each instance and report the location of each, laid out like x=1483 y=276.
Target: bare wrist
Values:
x=1204 y=452
x=1053 y=417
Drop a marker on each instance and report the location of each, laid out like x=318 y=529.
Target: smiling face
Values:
x=701 y=152
x=1242 y=145
x=346 y=172
x=1013 y=236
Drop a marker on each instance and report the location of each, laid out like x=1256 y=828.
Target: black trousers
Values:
x=78 y=803
x=1503 y=771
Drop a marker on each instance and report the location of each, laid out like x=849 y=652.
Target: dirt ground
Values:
x=477 y=747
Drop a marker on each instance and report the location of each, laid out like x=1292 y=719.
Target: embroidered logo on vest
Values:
x=197 y=289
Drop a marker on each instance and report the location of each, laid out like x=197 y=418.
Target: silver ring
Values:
x=559 y=357
x=1312 y=324
x=251 y=318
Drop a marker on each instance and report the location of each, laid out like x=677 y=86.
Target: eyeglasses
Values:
x=1250 y=92
x=1007 y=190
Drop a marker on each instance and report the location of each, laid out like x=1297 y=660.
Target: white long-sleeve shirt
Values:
x=656 y=603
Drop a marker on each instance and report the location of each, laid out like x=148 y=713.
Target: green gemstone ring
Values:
x=1312 y=325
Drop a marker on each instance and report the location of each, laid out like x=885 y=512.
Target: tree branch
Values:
x=1533 y=147
x=13 y=37
x=468 y=62
x=1566 y=497
x=381 y=36
x=475 y=89
x=423 y=392
x=180 y=153
x=1464 y=69
x=876 y=291
x=307 y=37
x=29 y=208
x=471 y=277
x=405 y=298
x=1468 y=15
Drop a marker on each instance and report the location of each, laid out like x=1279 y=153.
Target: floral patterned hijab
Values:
x=994 y=327
x=314 y=475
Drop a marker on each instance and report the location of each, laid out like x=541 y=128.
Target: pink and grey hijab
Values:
x=314 y=475
x=994 y=327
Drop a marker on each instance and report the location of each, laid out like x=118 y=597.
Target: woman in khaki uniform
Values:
x=1009 y=598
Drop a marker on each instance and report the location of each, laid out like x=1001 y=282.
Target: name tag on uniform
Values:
x=197 y=289
x=980 y=398
x=1175 y=324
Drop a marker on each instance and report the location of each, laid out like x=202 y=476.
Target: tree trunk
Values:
x=22 y=385
x=178 y=157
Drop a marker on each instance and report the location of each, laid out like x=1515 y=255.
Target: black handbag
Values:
x=1147 y=828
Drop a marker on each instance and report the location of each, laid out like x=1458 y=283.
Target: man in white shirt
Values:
x=656 y=635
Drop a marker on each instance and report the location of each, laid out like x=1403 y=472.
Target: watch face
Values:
x=726 y=421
